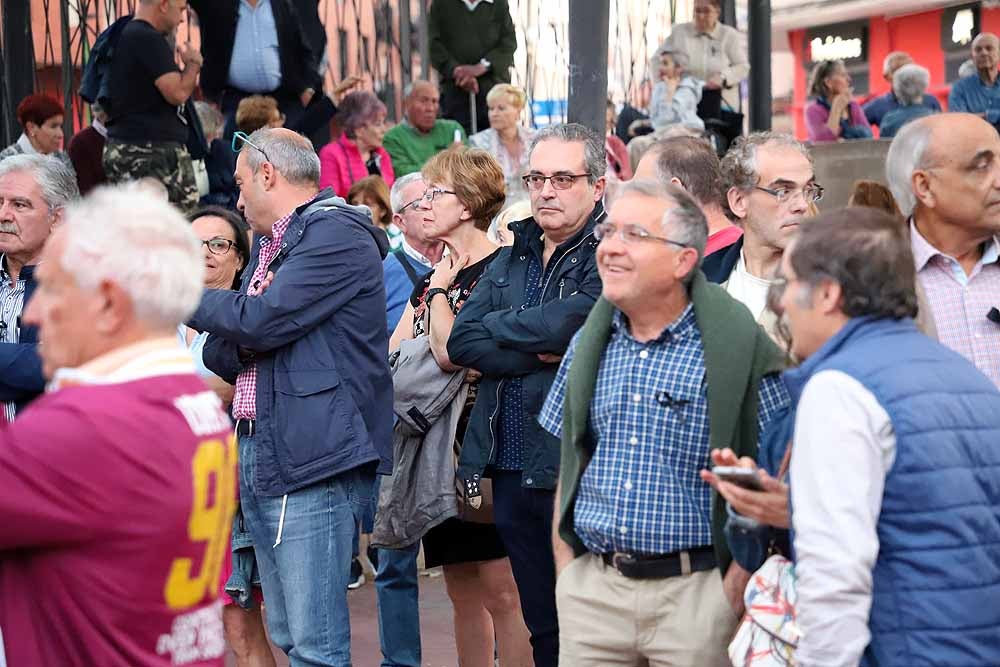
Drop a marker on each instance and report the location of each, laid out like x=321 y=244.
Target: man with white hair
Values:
x=117 y=488
x=944 y=171
x=421 y=135
x=876 y=108
x=980 y=93
x=645 y=575
x=305 y=342
x=908 y=84
x=34 y=192
x=405 y=266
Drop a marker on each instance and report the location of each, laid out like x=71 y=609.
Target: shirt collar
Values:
x=25 y=143
x=924 y=252
x=711 y=34
x=149 y=358
x=472 y=4
x=683 y=327
x=101 y=129
x=410 y=251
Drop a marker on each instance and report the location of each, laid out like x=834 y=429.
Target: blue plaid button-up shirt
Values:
x=641 y=492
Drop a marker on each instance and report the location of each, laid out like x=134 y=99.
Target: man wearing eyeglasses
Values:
x=514 y=329
x=770 y=186
x=666 y=367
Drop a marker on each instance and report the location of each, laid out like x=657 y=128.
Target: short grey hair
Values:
x=907 y=153
x=293 y=156
x=56 y=180
x=739 y=165
x=684 y=223
x=408 y=89
x=910 y=82
x=594 y=156
x=396 y=191
x=123 y=234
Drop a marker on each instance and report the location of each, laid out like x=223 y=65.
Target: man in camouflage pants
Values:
x=168 y=163
x=147 y=129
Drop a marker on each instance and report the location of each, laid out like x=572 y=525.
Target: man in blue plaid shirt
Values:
x=646 y=584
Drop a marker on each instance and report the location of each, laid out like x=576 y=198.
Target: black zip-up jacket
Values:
x=497 y=335
x=299 y=60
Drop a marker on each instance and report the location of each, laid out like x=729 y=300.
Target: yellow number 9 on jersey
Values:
x=210 y=522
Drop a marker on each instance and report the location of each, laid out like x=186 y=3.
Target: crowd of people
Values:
x=642 y=404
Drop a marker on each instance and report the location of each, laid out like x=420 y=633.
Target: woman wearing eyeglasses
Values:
x=465 y=191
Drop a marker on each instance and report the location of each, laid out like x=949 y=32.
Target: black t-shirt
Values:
x=139 y=113
x=458 y=292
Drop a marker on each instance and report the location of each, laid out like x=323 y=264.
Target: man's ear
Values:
x=920 y=183
x=269 y=175
x=738 y=203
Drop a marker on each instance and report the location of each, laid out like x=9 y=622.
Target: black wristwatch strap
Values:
x=433 y=292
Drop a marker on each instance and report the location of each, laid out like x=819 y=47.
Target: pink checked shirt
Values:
x=960 y=302
x=245 y=399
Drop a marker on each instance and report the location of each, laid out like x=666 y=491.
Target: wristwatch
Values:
x=485 y=63
x=433 y=292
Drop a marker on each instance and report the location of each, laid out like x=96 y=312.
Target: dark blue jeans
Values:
x=398 y=607
x=304 y=574
x=524 y=520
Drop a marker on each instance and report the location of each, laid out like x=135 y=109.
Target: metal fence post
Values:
x=588 y=63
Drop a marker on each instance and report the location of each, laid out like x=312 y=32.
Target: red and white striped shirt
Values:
x=960 y=301
x=245 y=398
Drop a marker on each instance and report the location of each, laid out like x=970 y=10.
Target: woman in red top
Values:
x=358 y=152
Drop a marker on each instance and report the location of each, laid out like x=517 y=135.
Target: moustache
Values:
x=8 y=228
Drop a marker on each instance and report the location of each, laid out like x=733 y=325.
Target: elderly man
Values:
x=691 y=163
x=770 y=183
x=538 y=293
x=421 y=135
x=876 y=108
x=416 y=256
x=34 y=193
x=472 y=45
x=662 y=356
x=148 y=129
x=117 y=488
x=980 y=93
x=889 y=426
x=944 y=171
x=305 y=342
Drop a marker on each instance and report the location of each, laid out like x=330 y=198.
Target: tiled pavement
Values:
x=436 y=630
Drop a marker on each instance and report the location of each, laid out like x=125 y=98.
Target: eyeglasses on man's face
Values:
x=631 y=234
x=811 y=193
x=410 y=204
x=559 y=181
x=218 y=245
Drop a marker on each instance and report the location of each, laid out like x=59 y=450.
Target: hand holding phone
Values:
x=745 y=478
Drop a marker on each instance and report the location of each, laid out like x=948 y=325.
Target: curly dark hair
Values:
x=867 y=252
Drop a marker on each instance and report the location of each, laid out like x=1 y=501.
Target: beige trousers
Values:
x=606 y=619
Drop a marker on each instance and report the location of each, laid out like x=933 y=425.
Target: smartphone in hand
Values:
x=742 y=477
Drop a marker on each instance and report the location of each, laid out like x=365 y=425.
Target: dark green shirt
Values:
x=460 y=37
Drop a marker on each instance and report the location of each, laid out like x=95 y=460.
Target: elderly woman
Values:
x=41 y=118
x=716 y=52
x=465 y=190
x=833 y=114
x=909 y=83
x=358 y=152
x=506 y=139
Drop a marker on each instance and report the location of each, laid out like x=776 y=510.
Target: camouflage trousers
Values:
x=164 y=161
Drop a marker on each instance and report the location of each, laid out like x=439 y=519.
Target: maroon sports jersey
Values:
x=116 y=503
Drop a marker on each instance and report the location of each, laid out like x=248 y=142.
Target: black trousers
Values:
x=524 y=520
x=455 y=105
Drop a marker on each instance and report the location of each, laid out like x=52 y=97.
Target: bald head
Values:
x=421 y=105
x=946 y=168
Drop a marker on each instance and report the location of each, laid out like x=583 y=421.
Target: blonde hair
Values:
x=476 y=178
x=518 y=97
x=519 y=210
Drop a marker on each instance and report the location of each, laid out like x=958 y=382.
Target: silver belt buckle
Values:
x=618 y=558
